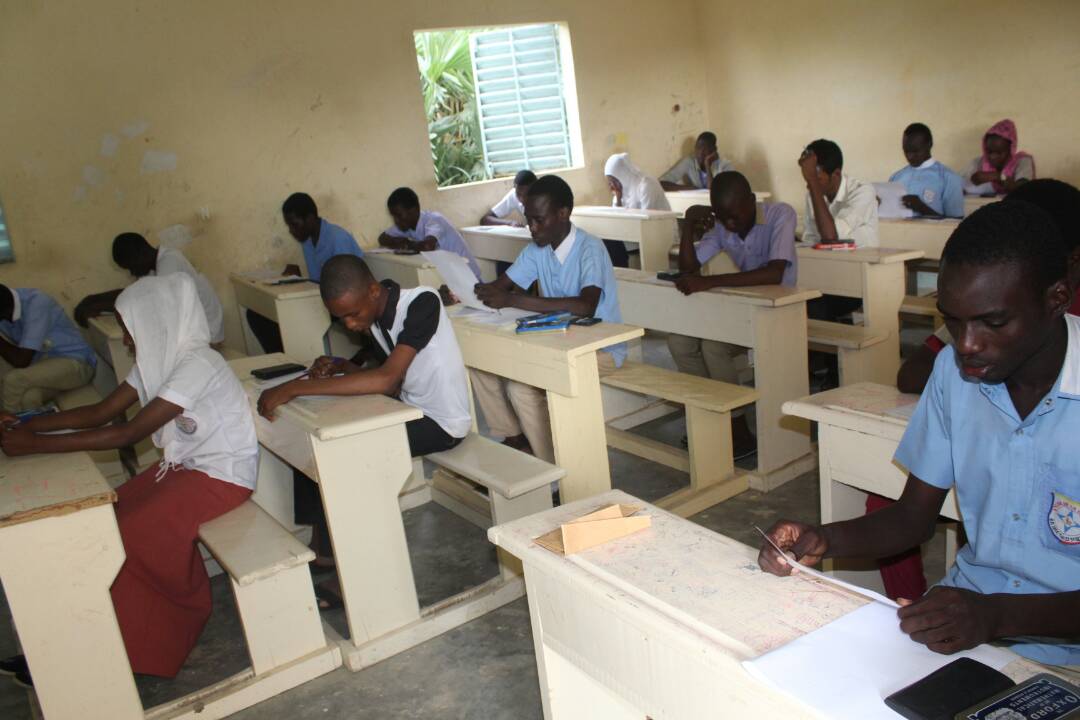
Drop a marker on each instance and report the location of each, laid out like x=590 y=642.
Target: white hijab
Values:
x=639 y=191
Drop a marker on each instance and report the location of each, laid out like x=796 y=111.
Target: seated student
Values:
x=41 y=351
x=697 y=171
x=198 y=414
x=319 y=240
x=133 y=253
x=634 y=190
x=422 y=229
x=998 y=423
x=1001 y=168
x=933 y=189
x=503 y=213
x=760 y=239
x=576 y=276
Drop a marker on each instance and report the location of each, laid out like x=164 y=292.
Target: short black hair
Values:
x=1060 y=200
x=524 y=177
x=403 y=197
x=709 y=138
x=555 y=189
x=729 y=185
x=829 y=157
x=126 y=247
x=299 y=204
x=342 y=274
x=1010 y=232
x=919 y=130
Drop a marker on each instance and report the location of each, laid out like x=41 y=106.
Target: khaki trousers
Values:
x=707 y=358
x=38 y=383
x=511 y=408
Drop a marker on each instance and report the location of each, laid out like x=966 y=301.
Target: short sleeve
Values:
x=926 y=448
x=709 y=246
x=524 y=272
x=592 y=267
x=421 y=321
x=134 y=379
x=810 y=232
x=433 y=228
x=167 y=264
x=188 y=382
x=36 y=322
x=393 y=231
x=723 y=165
x=505 y=206
x=782 y=235
x=345 y=244
x=1025 y=169
x=676 y=174
x=952 y=200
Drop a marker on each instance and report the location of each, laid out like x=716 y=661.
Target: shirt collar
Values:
x=16 y=310
x=386 y=320
x=1070 y=369
x=930 y=162
x=563 y=251
x=841 y=192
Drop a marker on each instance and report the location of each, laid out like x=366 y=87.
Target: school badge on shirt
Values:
x=928 y=195
x=1064 y=519
x=188 y=426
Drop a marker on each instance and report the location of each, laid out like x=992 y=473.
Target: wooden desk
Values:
x=771 y=320
x=657 y=624
x=683 y=200
x=857 y=438
x=495 y=243
x=408 y=271
x=926 y=235
x=653 y=231
x=564 y=365
x=60 y=551
x=297 y=309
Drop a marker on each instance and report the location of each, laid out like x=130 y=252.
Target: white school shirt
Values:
x=434 y=224
x=854 y=211
x=170 y=260
x=508 y=205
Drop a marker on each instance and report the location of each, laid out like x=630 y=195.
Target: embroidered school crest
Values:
x=1064 y=519
x=928 y=195
x=188 y=426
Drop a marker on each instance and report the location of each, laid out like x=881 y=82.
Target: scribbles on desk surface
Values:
x=871 y=399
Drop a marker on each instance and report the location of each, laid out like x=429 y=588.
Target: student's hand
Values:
x=492 y=296
x=390 y=241
x=802 y=544
x=447 y=296
x=914 y=202
x=710 y=159
x=18 y=441
x=8 y=420
x=808 y=165
x=270 y=399
x=948 y=620
x=326 y=367
x=985 y=176
x=427 y=244
x=701 y=220
x=84 y=311
x=292 y=269
x=691 y=283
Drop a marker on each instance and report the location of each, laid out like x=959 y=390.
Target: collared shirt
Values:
x=587 y=264
x=509 y=204
x=433 y=224
x=687 y=170
x=333 y=240
x=43 y=327
x=563 y=251
x=171 y=260
x=936 y=185
x=854 y=211
x=1017 y=481
x=771 y=238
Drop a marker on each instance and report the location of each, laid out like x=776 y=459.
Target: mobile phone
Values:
x=269 y=373
x=406 y=251
x=585 y=321
x=669 y=276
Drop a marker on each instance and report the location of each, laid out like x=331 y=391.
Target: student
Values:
x=133 y=253
x=933 y=189
x=422 y=230
x=1001 y=168
x=198 y=414
x=41 y=352
x=838 y=207
x=576 y=276
x=760 y=239
x=998 y=423
x=634 y=190
x=697 y=171
x=503 y=213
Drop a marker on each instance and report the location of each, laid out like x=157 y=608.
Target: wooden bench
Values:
x=858 y=350
x=922 y=306
x=709 y=460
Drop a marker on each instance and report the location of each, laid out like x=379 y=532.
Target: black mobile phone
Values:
x=585 y=321
x=669 y=276
x=269 y=373
x=406 y=251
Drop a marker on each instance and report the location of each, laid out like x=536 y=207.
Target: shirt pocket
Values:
x=1058 y=511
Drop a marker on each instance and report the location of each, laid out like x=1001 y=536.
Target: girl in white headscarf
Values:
x=198 y=414
x=631 y=188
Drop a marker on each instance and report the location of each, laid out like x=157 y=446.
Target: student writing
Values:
x=418 y=229
x=511 y=209
x=631 y=189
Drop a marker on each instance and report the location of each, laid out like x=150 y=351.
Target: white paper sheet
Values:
x=455 y=272
x=890 y=206
x=847 y=668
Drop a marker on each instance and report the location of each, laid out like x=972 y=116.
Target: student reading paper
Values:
x=933 y=189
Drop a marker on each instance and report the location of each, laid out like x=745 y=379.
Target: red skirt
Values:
x=162 y=593
x=901 y=574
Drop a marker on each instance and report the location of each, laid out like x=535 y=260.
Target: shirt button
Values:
x=1016 y=583
x=1020 y=431
x=1016 y=516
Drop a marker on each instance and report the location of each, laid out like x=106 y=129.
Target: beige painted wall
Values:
x=784 y=73
x=258 y=99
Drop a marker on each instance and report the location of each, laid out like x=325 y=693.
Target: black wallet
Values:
x=948 y=690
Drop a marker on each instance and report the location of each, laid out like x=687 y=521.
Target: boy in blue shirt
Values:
x=998 y=421
x=933 y=189
x=41 y=352
x=575 y=275
x=414 y=229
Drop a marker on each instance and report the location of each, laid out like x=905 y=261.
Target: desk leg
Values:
x=303 y=329
x=578 y=434
x=57 y=572
x=883 y=295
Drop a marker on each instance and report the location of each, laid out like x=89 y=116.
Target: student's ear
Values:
x=564 y=213
x=1059 y=297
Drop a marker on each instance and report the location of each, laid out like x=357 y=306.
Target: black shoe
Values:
x=14 y=665
x=23 y=678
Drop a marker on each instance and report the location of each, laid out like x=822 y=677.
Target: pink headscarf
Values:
x=1006 y=129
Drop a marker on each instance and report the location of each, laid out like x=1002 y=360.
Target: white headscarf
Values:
x=639 y=191
x=167 y=323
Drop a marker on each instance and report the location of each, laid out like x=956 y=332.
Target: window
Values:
x=6 y=253
x=499 y=100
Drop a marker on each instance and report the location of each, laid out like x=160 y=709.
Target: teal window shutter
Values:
x=6 y=253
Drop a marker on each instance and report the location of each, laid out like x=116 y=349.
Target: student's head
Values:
x=547 y=209
x=830 y=164
x=522 y=182
x=301 y=216
x=733 y=202
x=1061 y=201
x=1002 y=288
x=917 y=143
x=704 y=146
x=350 y=292
x=131 y=252
x=404 y=207
x=162 y=320
x=999 y=142
x=7 y=303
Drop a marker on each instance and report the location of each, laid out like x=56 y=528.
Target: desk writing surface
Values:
x=413 y=261
x=923 y=234
x=577 y=340
x=608 y=211
x=869 y=255
x=862 y=407
x=107 y=326
x=767 y=295
x=38 y=486
x=288 y=291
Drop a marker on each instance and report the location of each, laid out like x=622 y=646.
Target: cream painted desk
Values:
x=683 y=200
x=926 y=235
x=653 y=231
x=771 y=320
x=657 y=624
x=297 y=309
x=563 y=364
x=857 y=438
x=408 y=271
x=495 y=243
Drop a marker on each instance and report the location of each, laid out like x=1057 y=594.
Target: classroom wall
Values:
x=192 y=121
x=783 y=73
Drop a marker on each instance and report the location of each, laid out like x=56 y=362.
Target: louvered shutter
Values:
x=6 y=253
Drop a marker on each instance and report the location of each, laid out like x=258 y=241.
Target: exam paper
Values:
x=890 y=204
x=455 y=272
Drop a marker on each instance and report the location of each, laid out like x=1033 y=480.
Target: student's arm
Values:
x=697 y=221
x=916 y=204
x=428 y=244
x=397 y=242
x=18 y=357
x=823 y=219
x=94 y=305
x=771 y=273
x=492 y=219
x=87 y=416
x=673 y=178
x=496 y=296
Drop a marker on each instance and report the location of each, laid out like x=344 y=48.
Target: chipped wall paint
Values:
x=154 y=161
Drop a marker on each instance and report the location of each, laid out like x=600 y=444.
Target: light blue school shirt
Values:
x=586 y=265
x=433 y=224
x=333 y=240
x=43 y=327
x=937 y=186
x=1018 y=483
x=771 y=238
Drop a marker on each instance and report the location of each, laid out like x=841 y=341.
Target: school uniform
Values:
x=1019 y=165
x=688 y=172
x=62 y=358
x=580 y=261
x=854 y=211
x=209 y=467
x=639 y=192
x=936 y=185
x=433 y=224
x=771 y=238
x=170 y=260
x=509 y=205
x=1017 y=482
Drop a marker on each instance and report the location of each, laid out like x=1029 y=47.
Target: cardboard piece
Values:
x=596 y=528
